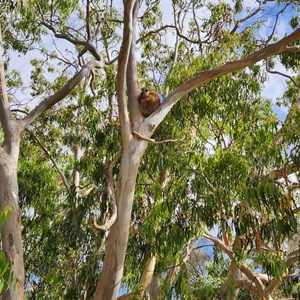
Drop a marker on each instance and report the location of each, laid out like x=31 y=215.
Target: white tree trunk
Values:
x=11 y=230
x=111 y=276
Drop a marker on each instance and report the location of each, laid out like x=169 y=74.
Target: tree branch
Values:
x=87 y=20
x=220 y=245
x=165 y=27
x=152 y=140
x=135 y=114
x=86 y=44
x=112 y=193
x=284 y=172
x=62 y=176
x=62 y=93
x=274 y=49
x=282 y=74
x=122 y=68
x=6 y=117
x=251 y=275
x=238 y=22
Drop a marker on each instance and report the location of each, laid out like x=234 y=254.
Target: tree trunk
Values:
x=147 y=276
x=11 y=230
x=111 y=276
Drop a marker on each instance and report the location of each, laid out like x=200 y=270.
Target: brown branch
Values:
x=165 y=27
x=284 y=172
x=62 y=93
x=237 y=24
x=275 y=24
x=112 y=193
x=86 y=44
x=138 y=135
x=281 y=74
x=87 y=20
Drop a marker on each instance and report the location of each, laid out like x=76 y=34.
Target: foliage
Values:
x=218 y=176
x=6 y=276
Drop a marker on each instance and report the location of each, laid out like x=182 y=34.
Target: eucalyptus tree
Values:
x=93 y=31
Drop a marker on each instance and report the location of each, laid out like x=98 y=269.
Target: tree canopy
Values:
x=198 y=200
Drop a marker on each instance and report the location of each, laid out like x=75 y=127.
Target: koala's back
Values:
x=149 y=102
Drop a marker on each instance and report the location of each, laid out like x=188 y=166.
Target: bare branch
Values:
x=86 y=44
x=152 y=140
x=62 y=176
x=165 y=27
x=237 y=24
x=220 y=245
x=87 y=20
x=62 y=93
x=253 y=277
x=248 y=285
x=112 y=193
x=282 y=74
x=275 y=24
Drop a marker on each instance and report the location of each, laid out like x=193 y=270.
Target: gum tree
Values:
x=136 y=131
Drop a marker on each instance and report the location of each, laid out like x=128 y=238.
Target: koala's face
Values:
x=145 y=91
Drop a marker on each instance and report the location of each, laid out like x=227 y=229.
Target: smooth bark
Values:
x=110 y=279
x=11 y=230
x=9 y=155
x=147 y=277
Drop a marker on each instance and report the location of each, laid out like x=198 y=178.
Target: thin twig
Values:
x=282 y=74
x=86 y=44
x=64 y=180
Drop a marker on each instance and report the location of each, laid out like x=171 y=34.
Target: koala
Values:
x=149 y=102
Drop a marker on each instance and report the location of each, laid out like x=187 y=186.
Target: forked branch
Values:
x=60 y=94
x=86 y=44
